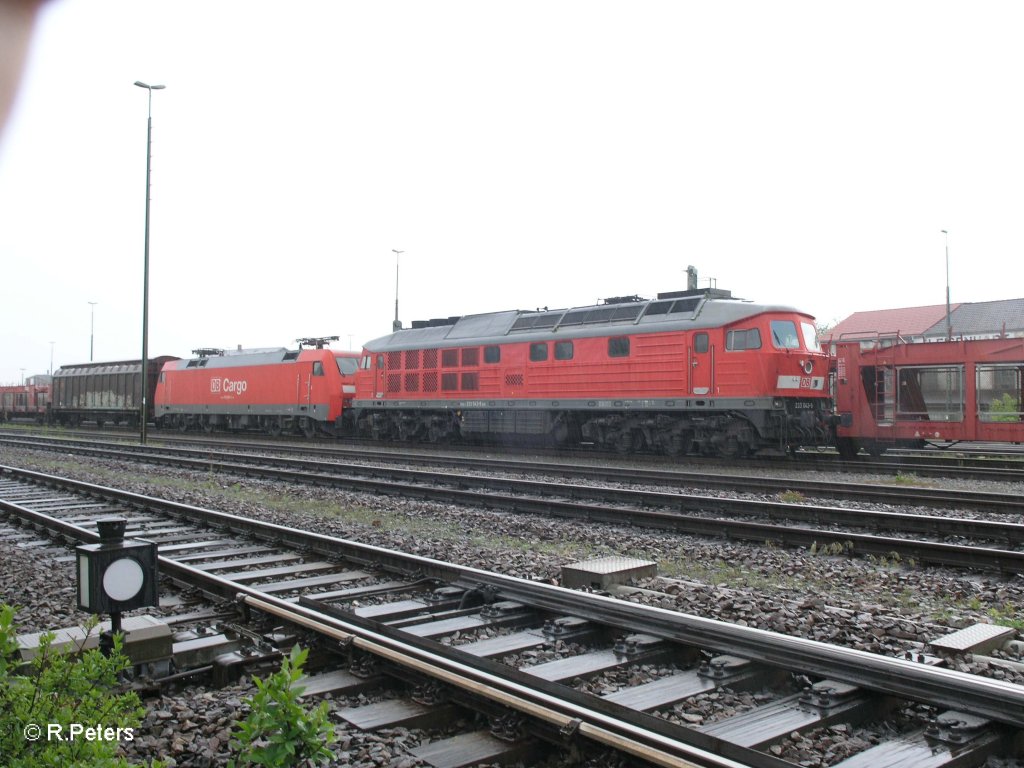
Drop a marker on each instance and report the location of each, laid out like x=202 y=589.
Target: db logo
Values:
x=229 y=385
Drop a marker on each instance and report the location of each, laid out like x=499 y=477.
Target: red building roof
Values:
x=909 y=321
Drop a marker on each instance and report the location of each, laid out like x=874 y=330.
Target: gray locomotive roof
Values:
x=239 y=358
x=600 y=320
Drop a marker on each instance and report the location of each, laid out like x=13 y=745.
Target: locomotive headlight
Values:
x=807 y=365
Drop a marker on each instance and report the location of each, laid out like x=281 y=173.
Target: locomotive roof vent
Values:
x=208 y=352
x=711 y=293
x=624 y=299
x=436 y=322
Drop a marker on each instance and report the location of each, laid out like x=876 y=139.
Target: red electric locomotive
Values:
x=694 y=370
x=24 y=401
x=275 y=390
x=892 y=393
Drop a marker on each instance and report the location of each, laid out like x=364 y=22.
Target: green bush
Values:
x=1005 y=408
x=278 y=731
x=46 y=705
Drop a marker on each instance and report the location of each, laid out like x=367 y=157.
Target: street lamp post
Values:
x=397 y=325
x=51 y=357
x=92 y=325
x=145 y=263
x=949 y=321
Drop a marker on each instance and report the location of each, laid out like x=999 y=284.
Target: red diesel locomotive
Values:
x=273 y=390
x=689 y=371
x=891 y=393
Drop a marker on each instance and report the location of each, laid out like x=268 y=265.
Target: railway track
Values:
x=961 y=462
x=466 y=638
x=993 y=545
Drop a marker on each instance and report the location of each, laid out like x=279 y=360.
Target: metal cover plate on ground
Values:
x=977 y=638
x=603 y=572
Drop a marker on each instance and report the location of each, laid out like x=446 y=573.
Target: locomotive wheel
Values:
x=308 y=427
x=182 y=424
x=677 y=444
x=274 y=428
x=623 y=443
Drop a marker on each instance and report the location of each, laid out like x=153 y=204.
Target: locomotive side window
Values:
x=449 y=358
x=810 y=337
x=736 y=341
x=539 y=351
x=784 y=335
x=563 y=350
x=471 y=356
x=449 y=382
x=618 y=346
x=318 y=368
x=700 y=342
x=492 y=354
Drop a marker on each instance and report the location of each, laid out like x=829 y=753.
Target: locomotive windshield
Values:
x=347 y=365
x=784 y=334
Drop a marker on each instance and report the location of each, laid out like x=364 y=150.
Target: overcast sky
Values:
x=522 y=154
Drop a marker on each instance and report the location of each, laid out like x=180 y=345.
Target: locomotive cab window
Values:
x=810 y=337
x=563 y=350
x=736 y=341
x=348 y=365
x=784 y=335
x=318 y=368
x=618 y=346
x=700 y=342
x=538 y=351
